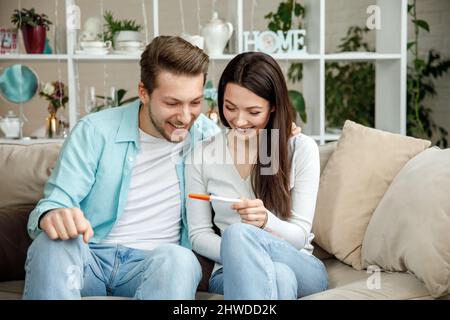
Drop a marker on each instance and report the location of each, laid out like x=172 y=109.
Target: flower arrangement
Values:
x=56 y=93
x=210 y=96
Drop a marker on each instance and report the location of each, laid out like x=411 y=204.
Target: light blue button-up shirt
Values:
x=93 y=171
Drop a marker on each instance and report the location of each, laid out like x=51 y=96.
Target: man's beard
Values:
x=176 y=136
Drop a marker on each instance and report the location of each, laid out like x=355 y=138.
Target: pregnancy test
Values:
x=206 y=197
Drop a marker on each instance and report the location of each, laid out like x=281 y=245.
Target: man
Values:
x=113 y=211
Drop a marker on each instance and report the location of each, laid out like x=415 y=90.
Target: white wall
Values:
x=340 y=15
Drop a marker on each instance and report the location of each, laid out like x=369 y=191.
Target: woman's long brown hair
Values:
x=261 y=74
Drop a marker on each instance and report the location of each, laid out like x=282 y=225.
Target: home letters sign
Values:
x=293 y=41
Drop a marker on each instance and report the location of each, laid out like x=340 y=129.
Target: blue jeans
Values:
x=258 y=265
x=71 y=269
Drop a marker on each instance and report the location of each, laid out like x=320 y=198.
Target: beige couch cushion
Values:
x=24 y=171
x=325 y=152
x=354 y=180
x=347 y=283
x=410 y=229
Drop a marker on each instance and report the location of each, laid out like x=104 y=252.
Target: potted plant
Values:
x=34 y=28
x=120 y=30
x=283 y=20
x=108 y=101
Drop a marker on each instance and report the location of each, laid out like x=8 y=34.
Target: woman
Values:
x=264 y=248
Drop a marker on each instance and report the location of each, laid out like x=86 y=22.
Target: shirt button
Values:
x=130 y=159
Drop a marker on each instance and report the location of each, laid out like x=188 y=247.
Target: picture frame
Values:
x=8 y=41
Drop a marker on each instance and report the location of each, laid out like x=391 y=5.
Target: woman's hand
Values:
x=252 y=212
x=295 y=130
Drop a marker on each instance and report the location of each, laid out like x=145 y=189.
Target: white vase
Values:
x=216 y=34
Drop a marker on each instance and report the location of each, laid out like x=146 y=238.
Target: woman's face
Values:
x=246 y=112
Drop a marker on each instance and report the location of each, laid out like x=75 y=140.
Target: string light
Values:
x=198 y=17
x=183 y=30
x=144 y=12
x=252 y=16
x=105 y=74
x=21 y=110
x=213 y=7
x=58 y=60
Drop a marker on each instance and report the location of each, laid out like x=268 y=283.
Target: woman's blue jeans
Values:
x=258 y=265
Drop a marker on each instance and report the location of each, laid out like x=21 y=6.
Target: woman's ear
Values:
x=272 y=108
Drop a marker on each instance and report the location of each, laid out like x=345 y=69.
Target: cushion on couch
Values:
x=410 y=228
x=14 y=242
x=325 y=152
x=346 y=283
x=354 y=180
x=24 y=171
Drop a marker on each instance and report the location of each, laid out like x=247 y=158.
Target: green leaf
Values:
x=128 y=100
x=410 y=6
x=419 y=63
x=422 y=24
x=298 y=103
x=410 y=44
x=298 y=9
x=120 y=94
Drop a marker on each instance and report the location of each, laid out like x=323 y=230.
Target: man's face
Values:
x=174 y=104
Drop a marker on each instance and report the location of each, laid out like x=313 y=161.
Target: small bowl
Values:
x=95 y=44
x=129 y=44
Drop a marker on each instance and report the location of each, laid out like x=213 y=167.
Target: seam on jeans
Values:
x=88 y=255
x=138 y=273
x=109 y=286
x=271 y=276
x=30 y=255
x=144 y=275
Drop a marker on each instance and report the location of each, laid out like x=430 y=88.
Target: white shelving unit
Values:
x=390 y=61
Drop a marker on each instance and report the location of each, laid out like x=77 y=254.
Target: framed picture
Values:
x=8 y=41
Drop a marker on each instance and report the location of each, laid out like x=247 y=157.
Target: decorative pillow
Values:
x=359 y=172
x=410 y=228
x=325 y=152
x=24 y=171
x=14 y=242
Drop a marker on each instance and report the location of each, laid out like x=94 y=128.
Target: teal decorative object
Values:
x=47 y=48
x=18 y=83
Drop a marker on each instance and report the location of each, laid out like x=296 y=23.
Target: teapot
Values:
x=10 y=125
x=216 y=34
x=195 y=40
x=92 y=29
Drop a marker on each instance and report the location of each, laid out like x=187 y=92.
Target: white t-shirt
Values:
x=152 y=212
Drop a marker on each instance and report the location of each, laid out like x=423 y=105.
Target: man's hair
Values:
x=172 y=54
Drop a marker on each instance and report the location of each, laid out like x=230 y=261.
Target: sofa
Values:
x=25 y=168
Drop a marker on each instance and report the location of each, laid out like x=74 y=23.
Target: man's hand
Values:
x=66 y=224
x=251 y=211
